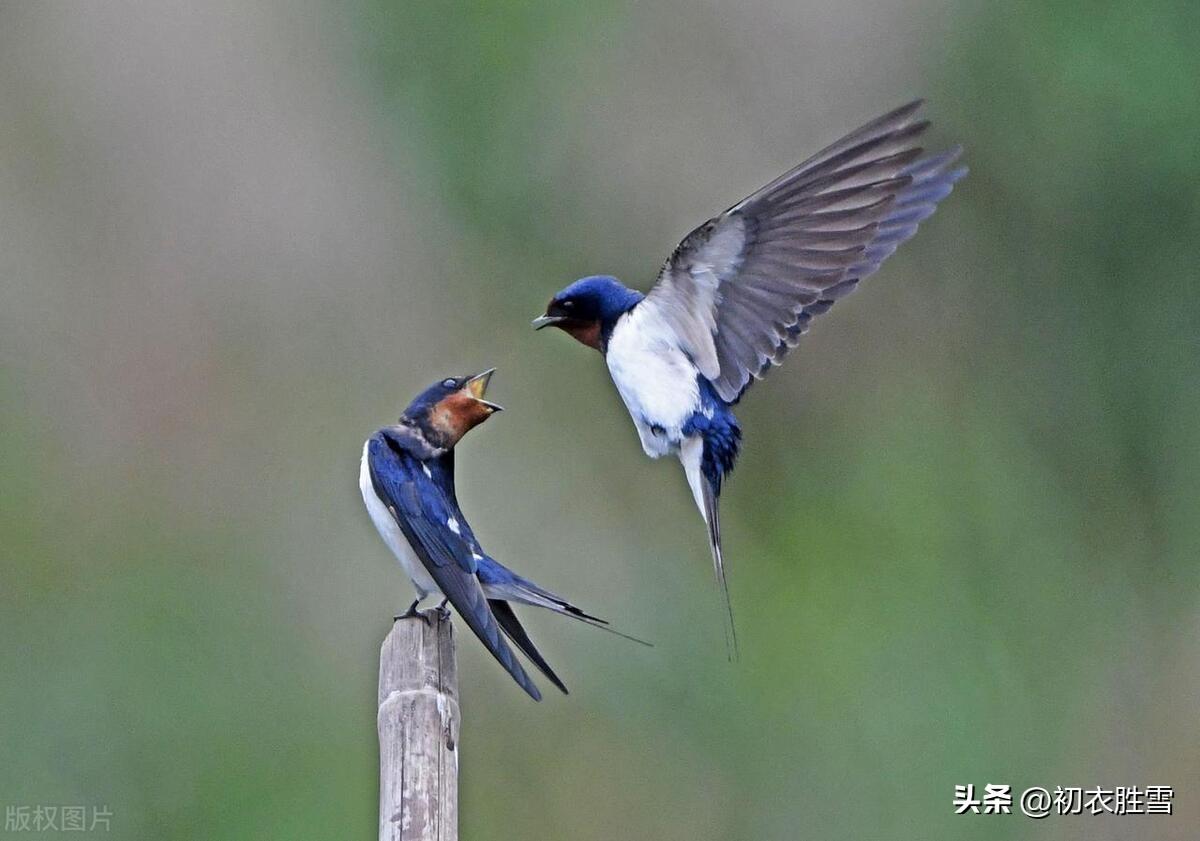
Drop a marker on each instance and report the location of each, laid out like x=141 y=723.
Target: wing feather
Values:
x=740 y=290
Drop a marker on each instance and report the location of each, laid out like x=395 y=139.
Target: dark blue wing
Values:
x=516 y=632
x=425 y=510
x=441 y=471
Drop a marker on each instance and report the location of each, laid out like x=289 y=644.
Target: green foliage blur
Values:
x=962 y=539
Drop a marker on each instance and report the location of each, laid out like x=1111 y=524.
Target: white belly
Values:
x=391 y=534
x=655 y=378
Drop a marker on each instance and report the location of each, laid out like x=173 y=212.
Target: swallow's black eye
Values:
x=566 y=305
x=449 y=383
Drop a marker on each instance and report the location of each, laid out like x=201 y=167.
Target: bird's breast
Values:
x=656 y=380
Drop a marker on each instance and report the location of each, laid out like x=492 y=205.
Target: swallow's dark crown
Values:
x=427 y=399
x=600 y=299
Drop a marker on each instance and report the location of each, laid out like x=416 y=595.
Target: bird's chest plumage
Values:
x=654 y=377
x=386 y=525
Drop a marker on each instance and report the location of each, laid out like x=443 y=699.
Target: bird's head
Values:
x=588 y=309
x=450 y=408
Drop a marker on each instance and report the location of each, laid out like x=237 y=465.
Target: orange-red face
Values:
x=460 y=409
x=589 y=309
x=456 y=415
x=585 y=332
x=563 y=315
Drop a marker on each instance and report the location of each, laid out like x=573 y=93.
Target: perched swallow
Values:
x=737 y=293
x=407 y=483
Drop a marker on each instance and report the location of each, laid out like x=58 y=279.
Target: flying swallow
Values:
x=407 y=483
x=738 y=292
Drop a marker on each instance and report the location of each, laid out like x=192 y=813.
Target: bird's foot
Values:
x=443 y=611
x=412 y=613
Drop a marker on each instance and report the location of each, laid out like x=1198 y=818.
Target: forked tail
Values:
x=501 y=583
x=526 y=592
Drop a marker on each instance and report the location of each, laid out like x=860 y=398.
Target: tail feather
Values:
x=705 y=491
x=712 y=518
x=531 y=594
x=502 y=584
x=512 y=627
x=600 y=624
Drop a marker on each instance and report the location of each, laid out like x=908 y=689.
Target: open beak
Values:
x=477 y=385
x=547 y=320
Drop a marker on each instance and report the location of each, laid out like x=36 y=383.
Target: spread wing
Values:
x=741 y=289
x=431 y=521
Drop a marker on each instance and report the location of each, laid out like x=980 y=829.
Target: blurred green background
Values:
x=962 y=539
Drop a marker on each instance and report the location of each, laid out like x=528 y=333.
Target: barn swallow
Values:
x=407 y=483
x=738 y=292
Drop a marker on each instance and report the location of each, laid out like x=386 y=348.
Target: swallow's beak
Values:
x=477 y=385
x=547 y=321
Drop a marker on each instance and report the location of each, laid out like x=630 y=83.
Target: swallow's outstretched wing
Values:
x=741 y=289
x=433 y=525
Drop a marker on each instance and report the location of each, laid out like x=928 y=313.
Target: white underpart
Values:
x=390 y=532
x=654 y=377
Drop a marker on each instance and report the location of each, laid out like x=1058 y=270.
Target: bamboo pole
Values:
x=418 y=731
